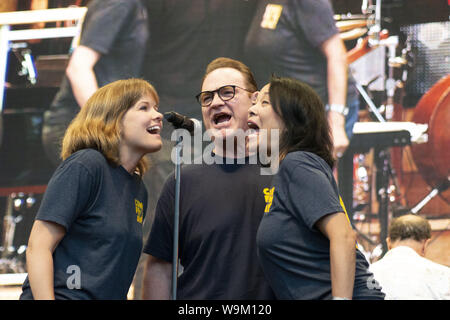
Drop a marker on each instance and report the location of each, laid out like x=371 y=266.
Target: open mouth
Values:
x=220 y=118
x=252 y=125
x=154 y=129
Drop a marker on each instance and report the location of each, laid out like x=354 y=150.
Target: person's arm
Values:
x=336 y=55
x=80 y=72
x=44 y=238
x=342 y=253
x=157 y=279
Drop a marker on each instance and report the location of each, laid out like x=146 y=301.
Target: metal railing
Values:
x=7 y=35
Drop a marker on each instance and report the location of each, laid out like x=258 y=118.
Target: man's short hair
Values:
x=409 y=226
x=223 y=62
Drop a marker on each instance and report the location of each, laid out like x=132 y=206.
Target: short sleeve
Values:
x=315 y=18
x=69 y=193
x=104 y=24
x=160 y=241
x=311 y=194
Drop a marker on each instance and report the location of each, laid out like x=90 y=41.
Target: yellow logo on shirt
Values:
x=268 y=197
x=139 y=210
x=271 y=16
x=346 y=215
x=343 y=207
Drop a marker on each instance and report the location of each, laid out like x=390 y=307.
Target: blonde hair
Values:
x=98 y=125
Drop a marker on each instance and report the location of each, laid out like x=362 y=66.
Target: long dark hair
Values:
x=303 y=114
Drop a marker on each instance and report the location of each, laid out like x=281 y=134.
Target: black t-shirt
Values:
x=117 y=29
x=102 y=209
x=185 y=36
x=284 y=39
x=220 y=209
x=294 y=254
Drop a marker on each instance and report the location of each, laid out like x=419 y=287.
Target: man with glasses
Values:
x=220 y=205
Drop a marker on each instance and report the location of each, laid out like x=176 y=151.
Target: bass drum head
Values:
x=433 y=157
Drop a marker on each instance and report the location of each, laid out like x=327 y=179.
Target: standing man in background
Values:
x=299 y=39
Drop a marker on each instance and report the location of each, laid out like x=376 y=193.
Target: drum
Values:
x=433 y=158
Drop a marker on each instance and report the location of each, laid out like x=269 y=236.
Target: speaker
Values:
x=430 y=45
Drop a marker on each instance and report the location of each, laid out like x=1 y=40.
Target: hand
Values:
x=340 y=139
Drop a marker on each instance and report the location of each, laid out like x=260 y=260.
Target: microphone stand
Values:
x=176 y=220
x=179 y=122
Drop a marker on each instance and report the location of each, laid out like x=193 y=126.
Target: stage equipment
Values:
x=380 y=136
x=433 y=158
x=387 y=133
x=21 y=107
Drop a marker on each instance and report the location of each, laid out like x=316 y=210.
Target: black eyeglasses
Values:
x=205 y=98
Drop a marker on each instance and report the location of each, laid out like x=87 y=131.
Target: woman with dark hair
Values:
x=87 y=237
x=306 y=244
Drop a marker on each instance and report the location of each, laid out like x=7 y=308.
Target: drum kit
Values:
x=374 y=183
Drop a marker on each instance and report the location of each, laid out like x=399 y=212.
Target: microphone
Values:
x=182 y=122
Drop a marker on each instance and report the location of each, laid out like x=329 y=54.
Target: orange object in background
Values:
x=433 y=158
x=8 y=5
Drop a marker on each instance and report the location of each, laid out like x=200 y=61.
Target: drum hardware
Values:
x=14 y=204
x=12 y=250
x=365 y=46
x=375 y=29
x=349 y=16
x=440 y=188
x=373 y=108
x=383 y=177
x=366 y=6
x=430 y=140
x=428 y=137
x=23 y=55
x=387 y=186
x=397 y=62
x=386 y=179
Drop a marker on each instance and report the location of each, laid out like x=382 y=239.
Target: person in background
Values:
x=299 y=39
x=87 y=237
x=404 y=273
x=306 y=244
x=112 y=47
x=221 y=204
